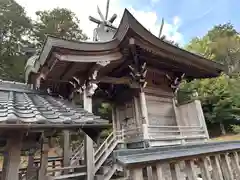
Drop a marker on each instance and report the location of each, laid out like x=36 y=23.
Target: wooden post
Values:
x=160 y=175
x=226 y=167
x=235 y=164
x=143 y=105
x=88 y=142
x=66 y=150
x=42 y=173
x=217 y=172
x=204 y=168
x=190 y=170
x=31 y=170
x=12 y=157
x=175 y=171
x=136 y=174
x=201 y=117
x=137 y=113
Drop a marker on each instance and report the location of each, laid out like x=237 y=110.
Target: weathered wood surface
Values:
x=213 y=161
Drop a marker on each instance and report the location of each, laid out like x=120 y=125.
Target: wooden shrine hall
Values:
x=153 y=136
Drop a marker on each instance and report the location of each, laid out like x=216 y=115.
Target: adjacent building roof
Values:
x=23 y=107
x=56 y=51
x=148 y=156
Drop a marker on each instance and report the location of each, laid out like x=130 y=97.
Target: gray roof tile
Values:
x=19 y=104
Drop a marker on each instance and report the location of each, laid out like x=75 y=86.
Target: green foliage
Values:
x=14 y=28
x=58 y=22
x=235 y=128
x=18 y=31
x=220 y=96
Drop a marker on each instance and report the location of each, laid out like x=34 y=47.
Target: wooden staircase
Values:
x=103 y=169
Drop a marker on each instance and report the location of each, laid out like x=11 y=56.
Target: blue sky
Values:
x=197 y=16
x=184 y=19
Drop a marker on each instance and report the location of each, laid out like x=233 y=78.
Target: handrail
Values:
x=103 y=144
x=105 y=150
x=66 y=168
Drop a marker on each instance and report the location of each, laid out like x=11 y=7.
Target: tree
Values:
x=220 y=96
x=58 y=22
x=14 y=28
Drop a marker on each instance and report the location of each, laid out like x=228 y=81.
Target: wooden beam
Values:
x=111 y=56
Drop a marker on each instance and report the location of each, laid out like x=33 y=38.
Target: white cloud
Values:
x=154 y=1
x=83 y=9
x=176 y=20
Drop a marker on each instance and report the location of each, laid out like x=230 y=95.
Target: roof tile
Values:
x=20 y=104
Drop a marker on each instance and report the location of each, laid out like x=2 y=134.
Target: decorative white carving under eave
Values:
x=103 y=63
x=38 y=80
x=90 y=88
x=100 y=58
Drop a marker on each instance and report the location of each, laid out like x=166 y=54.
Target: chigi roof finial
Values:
x=105 y=30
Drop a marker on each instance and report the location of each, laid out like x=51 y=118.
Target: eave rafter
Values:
x=174 y=82
x=89 y=84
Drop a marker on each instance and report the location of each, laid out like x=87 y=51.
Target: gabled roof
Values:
x=129 y=27
x=25 y=108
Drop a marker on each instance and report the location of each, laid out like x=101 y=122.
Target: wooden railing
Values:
x=131 y=135
x=180 y=134
x=77 y=154
x=105 y=150
x=207 y=161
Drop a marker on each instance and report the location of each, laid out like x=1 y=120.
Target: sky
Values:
x=184 y=19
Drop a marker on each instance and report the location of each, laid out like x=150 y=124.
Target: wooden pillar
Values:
x=12 y=157
x=137 y=113
x=42 y=173
x=66 y=149
x=143 y=105
x=31 y=170
x=88 y=142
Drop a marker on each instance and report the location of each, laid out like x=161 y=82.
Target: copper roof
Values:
x=21 y=106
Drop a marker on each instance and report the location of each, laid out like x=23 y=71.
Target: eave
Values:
x=68 y=54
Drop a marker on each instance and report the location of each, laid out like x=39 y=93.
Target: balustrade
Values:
x=207 y=161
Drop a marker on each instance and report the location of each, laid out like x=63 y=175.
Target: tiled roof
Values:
x=19 y=104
